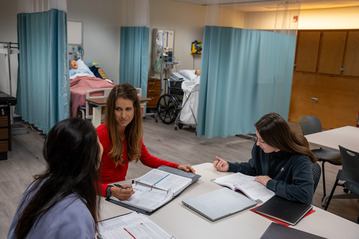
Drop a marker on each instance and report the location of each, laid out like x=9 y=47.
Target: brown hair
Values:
x=133 y=131
x=275 y=131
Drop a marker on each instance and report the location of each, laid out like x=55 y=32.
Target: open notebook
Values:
x=156 y=188
x=219 y=203
x=247 y=185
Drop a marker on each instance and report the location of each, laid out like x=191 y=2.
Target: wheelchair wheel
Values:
x=167 y=108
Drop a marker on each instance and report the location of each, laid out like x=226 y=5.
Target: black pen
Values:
x=120 y=186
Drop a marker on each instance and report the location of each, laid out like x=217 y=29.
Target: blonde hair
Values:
x=133 y=131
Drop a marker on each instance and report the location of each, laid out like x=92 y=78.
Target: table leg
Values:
x=96 y=117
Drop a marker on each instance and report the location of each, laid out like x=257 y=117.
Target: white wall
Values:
x=187 y=20
x=8 y=29
x=270 y=20
x=225 y=16
x=336 y=18
x=101 y=32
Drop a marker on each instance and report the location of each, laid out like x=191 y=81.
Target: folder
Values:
x=284 y=210
x=194 y=177
x=156 y=188
x=275 y=231
x=219 y=203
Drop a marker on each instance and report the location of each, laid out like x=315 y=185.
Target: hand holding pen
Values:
x=122 y=192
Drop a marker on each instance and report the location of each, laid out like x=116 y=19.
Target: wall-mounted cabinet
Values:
x=331 y=52
x=326 y=77
x=307 y=51
x=351 y=57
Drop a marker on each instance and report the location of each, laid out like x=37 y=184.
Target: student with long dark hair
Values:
x=121 y=138
x=62 y=201
x=281 y=160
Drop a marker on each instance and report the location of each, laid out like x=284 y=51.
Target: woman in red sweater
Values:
x=121 y=138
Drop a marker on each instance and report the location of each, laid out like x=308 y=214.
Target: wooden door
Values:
x=338 y=101
x=303 y=92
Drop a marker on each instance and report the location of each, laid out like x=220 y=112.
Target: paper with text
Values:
x=247 y=185
x=164 y=180
x=153 y=190
x=132 y=225
x=147 y=198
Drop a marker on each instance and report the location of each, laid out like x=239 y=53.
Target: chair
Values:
x=86 y=112
x=311 y=125
x=349 y=174
x=316 y=174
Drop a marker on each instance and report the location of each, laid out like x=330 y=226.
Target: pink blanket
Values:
x=80 y=85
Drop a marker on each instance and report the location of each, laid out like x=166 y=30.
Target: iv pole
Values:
x=9 y=64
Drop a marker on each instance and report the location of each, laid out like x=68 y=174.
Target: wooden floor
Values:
x=181 y=146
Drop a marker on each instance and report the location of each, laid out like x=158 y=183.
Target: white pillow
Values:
x=83 y=66
x=189 y=74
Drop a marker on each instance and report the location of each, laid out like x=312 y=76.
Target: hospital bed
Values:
x=180 y=105
x=82 y=81
x=87 y=111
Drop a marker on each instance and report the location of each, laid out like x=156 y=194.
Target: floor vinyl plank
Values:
x=181 y=146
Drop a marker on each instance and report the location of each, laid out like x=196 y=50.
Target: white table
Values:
x=184 y=223
x=347 y=137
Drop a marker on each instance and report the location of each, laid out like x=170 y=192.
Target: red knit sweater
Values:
x=108 y=170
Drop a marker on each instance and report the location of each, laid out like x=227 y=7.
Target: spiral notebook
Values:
x=156 y=188
x=219 y=203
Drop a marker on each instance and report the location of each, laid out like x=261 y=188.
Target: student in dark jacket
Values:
x=281 y=160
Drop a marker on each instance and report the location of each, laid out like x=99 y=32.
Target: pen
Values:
x=120 y=186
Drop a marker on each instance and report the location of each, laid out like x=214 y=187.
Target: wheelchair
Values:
x=169 y=105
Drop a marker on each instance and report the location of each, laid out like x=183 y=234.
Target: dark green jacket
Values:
x=291 y=173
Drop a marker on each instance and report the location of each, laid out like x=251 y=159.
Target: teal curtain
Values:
x=43 y=90
x=244 y=75
x=134 y=57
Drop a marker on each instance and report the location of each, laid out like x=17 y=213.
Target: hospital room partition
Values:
x=43 y=90
x=244 y=75
x=134 y=51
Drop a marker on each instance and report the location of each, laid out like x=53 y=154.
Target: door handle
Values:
x=315 y=99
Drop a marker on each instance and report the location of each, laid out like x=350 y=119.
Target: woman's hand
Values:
x=262 y=179
x=186 y=168
x=221 y=165
x=122 y=193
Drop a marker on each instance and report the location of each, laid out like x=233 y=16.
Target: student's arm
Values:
x=152 y=161
x=302 y=186
x=120 y=193
x=221 y=165
x=248 y=168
